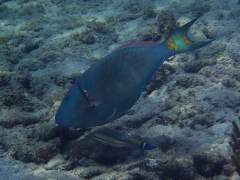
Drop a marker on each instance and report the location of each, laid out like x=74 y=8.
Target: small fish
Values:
x=117 y=139
x=108 y=89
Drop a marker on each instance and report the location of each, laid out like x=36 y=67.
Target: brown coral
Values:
x=44 y=154
x=77 y=152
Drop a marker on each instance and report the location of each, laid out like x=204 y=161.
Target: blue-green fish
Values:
x=108 y=89
x=114 y=138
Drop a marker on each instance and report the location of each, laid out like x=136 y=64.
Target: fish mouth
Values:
x=59 y=118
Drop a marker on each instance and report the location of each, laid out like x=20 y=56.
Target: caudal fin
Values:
x=181 y=40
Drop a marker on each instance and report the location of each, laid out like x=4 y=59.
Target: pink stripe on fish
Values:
x=135 y=44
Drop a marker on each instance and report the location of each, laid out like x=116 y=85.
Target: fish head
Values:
x=71 y=109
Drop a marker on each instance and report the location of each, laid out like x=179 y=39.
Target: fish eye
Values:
x=67 y=97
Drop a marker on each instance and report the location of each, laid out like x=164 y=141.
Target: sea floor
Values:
x=186 y=109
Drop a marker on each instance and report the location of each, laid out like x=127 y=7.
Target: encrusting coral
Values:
x=235 y=143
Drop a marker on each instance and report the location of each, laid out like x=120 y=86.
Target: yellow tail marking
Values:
x=171 y=45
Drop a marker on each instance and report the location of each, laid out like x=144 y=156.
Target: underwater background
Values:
x=186 y=109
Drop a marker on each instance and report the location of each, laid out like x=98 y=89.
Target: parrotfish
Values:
x=109 y=88
x=115 y=138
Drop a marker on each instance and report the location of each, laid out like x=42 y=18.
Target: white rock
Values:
x=55 y=162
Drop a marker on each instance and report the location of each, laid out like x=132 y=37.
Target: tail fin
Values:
x=181 y=40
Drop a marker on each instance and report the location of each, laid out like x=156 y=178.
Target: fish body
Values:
x=115 y=138
x=110 y=137
x=108 y=89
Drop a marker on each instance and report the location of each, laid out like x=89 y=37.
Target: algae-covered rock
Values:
x=86 y=37
x=89 y=172
x=165 y=22
x=100 y=27
x=208 y=164
x=188 y=81
x=48 y=132
x=110 y=156
x=21 y=79
x=5 y=79
x=89 y=39
x=158 y=78
x=31 y=64
x=195 y=66
x=181 y=169
x=206 y=120
x=30 y=46
x=55 y=163
x=9 y=121
x=228 y=83
x=149 y=13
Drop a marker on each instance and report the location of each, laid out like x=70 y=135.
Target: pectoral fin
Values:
x=82 y=92
x=112 y=115
x=87 y=102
